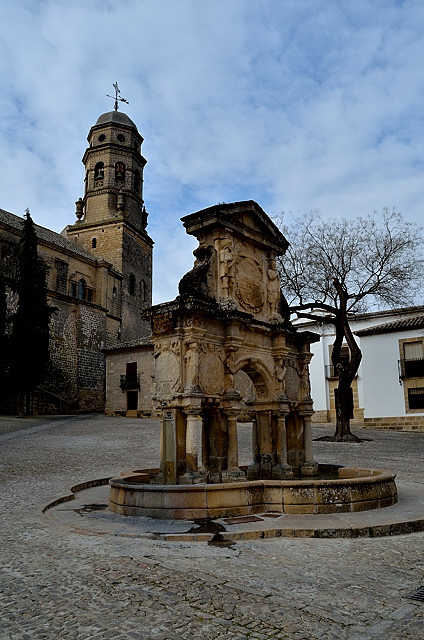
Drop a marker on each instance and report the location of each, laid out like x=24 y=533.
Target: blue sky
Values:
x=297 y=104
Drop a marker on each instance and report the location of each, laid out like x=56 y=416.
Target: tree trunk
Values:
x=343 y=411
x=346 y=371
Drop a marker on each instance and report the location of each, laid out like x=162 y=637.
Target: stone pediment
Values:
x=245 y=218
x=235 y=262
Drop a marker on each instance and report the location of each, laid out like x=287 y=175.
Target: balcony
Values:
x=411 y=368
x=130 y=382
x=330 y=372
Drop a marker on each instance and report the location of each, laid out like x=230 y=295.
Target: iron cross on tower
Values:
x=117 y=98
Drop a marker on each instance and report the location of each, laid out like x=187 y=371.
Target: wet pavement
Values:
x=61 y=581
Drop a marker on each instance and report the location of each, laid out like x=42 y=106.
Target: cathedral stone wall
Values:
x=79 y=329
x=137 y=286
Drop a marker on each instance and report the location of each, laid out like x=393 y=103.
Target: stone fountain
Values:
x=230 y=317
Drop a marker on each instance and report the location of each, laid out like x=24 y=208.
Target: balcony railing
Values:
x=130 y=382
x=330 y=371
x=413 y=368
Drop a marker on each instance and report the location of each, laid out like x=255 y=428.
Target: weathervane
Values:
x=116 y=98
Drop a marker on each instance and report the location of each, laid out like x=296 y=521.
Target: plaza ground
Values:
x=57 y=583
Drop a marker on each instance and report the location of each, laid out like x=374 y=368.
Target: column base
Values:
x=282 y=471
x=159 y=478
x=309 y=469
x=233 y=475
x=266 y=466
x=192 y=477
x=253 y=471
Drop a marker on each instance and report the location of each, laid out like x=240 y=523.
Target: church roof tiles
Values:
x=15 y=223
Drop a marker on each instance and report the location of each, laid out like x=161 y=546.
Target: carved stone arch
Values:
x=258 y=373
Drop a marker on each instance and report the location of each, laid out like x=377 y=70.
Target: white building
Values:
x=388 y=391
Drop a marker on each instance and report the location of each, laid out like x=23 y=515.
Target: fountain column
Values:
x=254 y=469
x=282 y=469
x=232 y=472
x=191 y=475
x=309 y=467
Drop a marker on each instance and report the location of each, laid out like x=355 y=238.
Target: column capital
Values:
x=281 y=413
x=231 y=412
x=192 y=411
x=306 y=413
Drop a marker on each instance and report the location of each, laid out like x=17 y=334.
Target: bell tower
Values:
x=112 y=218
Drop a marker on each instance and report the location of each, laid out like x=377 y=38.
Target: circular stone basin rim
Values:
x=360 y=490
x=359 y=476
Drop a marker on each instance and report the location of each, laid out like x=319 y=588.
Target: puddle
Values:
x=88 y=508
x=219 y=541
x=206 y=525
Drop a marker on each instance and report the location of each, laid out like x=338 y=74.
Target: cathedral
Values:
x=99 y=268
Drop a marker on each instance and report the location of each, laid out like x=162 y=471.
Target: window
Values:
x=132 y=284
x=413 y=350
x=93 y=243
x=120 y=172
x=99 y=171
x=114 y=291
x=331 y=371
x=131 y=379
x=344 y=355
x=131 y=369
x=81 y=291
x=416 y=398
x=413 y=359
x=82 y=286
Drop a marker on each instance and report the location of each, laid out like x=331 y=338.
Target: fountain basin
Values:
x=353 y=490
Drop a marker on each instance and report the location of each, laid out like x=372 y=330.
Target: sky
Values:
x=298 y=104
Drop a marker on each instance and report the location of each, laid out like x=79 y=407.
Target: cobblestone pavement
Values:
x=59 y=584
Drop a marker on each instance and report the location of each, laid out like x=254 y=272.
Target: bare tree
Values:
x=336 y=268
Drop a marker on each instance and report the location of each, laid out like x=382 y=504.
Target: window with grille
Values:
x=413 y=359
x=416 y=398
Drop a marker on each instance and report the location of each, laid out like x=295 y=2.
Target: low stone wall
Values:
x=354 y=490
x=401 y=423
x=322 y=415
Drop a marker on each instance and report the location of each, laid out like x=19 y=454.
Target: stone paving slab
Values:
x=56 y=583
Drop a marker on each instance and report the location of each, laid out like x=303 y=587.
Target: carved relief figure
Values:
x=273 y=289
x=191 y=359
x=280 y=370
x=230 y=369
x=302 y=369
x=225 y=267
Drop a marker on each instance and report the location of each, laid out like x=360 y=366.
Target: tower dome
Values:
x=115 y=117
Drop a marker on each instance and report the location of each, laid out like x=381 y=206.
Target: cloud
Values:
x=297 y=104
